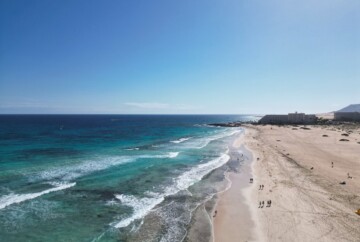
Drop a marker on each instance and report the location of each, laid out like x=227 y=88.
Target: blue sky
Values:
x=203 y=56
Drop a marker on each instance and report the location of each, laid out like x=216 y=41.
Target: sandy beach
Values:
x=233 y=204
x=301 y=170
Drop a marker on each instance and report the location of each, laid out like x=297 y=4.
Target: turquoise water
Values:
x=106 y=177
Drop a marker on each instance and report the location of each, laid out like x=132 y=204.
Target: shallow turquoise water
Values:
x=106 y=177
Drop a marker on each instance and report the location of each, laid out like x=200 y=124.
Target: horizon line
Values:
x=123 y=114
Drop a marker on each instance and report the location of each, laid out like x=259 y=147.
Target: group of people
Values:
x=261 y=203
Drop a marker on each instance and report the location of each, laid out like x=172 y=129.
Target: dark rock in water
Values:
x=234 y=124
x=104 y=195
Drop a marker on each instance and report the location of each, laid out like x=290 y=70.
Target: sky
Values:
x=178 y=57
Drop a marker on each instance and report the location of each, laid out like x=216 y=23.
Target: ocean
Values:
x=109 y=177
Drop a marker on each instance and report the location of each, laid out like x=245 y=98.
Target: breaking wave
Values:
x=180 y=140
x=142 y=206
x=10 y=199
x=75 y=171
x=203 y=142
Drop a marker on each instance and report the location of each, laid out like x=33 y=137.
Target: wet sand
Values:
x=233 y=219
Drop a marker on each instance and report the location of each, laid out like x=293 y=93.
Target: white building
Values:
x=291 y=118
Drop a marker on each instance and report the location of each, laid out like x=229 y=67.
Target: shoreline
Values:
x=234 y=217
x=309 y=201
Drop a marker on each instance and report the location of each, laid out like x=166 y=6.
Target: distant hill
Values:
x=350 y=108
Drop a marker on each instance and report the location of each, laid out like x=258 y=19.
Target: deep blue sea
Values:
x=107 y=177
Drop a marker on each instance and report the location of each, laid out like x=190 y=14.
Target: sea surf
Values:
x=108 y=177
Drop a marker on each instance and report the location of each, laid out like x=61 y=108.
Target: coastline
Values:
x=308 y=201
x=202 y=226
x=235 y=219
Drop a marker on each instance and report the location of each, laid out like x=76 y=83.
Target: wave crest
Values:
x=142 y=206
x=10 y=199
x=72 y=172
x=180 y=140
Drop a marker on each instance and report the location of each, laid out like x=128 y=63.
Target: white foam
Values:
x=72 y=172
x=180 y=140
x=142 y=206
x=10 y=199
x=133 y=148
x=173 y=154
x=203 y=142
x=167 y=155
x=204 y=125
x=196 y=174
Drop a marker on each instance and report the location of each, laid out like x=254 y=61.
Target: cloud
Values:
x=150 y=105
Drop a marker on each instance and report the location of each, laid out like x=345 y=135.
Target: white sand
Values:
x=307 y=204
